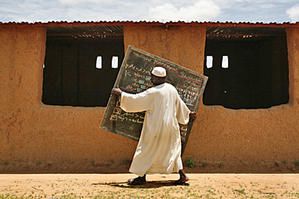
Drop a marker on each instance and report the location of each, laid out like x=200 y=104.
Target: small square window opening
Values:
x=99 y=62
x=224 y=62
x=114 y=63
x=209 y=62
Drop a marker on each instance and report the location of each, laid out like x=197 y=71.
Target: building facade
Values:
x=56 y=79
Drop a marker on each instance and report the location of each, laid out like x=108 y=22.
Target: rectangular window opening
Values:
x=224 y=62
x=99 y=62
x=209 y=61
x=250 y=69
x=78 y=65
x=114 y=62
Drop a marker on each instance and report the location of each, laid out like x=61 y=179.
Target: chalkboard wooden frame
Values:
x=138 y=64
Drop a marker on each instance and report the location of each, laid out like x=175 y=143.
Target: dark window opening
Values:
x=81 y=65
x=250 y=68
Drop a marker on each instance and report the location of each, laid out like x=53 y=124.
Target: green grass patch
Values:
x=296 y=163
x=190 y=163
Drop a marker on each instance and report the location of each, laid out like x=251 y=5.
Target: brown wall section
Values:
x=37 y=137
x=293 y=48
x=261 y=140
x=40 y=138
x=181 y=44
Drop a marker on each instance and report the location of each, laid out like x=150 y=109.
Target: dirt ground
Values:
x=158 y=186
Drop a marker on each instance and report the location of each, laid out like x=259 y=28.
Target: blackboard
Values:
x=134 y=77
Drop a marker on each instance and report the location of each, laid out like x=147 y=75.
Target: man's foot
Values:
x=183 y=178
x=137 y=181
x=182 y=181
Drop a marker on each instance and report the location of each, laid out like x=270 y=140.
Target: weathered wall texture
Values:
x=225 y=140
x=39 y=138
x=181 y=44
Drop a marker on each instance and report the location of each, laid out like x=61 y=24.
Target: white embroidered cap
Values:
x=159 y=71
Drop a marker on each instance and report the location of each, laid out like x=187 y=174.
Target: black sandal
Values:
x=182 y=182
x=137 y=181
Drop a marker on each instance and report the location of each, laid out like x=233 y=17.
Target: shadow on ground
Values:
x=149 y=184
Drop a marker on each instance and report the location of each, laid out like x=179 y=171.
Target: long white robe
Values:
x=159 y=146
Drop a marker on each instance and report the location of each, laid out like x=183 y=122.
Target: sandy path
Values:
x=159 y=186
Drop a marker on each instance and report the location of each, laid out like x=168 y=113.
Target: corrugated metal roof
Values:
x=236 y=33
x=119 y=23
x=91 y=32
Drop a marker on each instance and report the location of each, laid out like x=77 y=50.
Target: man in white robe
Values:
x=159 y=146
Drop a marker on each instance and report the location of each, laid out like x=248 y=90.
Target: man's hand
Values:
x=116 y=91
x=192 y=115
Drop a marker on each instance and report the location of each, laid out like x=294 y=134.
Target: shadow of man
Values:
x=148 y=184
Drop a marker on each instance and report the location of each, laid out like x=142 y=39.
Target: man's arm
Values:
x=133 y=102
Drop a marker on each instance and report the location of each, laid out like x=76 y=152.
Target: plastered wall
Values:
x=226 y=140
x=40 y=138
